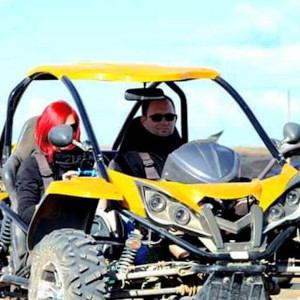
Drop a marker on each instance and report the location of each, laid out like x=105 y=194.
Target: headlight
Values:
x=286 y=208
x=181 y=215
x=276 y=212
x=292 y=198
x=166 y=210
x=157 y=202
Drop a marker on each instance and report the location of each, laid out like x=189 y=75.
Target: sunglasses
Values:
x=159 y=117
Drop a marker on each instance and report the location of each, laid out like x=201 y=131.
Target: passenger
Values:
x=62 y=163
x=153 y=133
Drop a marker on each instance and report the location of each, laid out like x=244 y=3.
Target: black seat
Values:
x=25 y=146
x=137 y=139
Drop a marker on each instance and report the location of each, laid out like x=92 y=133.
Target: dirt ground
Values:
x=292 y=293
x=253 y=161
x=286 y=294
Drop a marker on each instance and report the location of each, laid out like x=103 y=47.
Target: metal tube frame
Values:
x=218 y=256
x=16 y=94
x=259 y=129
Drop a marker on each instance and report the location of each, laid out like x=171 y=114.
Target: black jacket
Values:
x=30 y=185
x=138 y=139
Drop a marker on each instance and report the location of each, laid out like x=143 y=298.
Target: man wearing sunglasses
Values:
x=148 y=140
x=146 y=145
x=158 y=117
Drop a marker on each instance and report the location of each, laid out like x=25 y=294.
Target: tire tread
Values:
x=80 y=261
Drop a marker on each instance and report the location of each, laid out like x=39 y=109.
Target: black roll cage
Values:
x=16 y=94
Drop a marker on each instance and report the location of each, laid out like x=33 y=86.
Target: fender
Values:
x=69 y=204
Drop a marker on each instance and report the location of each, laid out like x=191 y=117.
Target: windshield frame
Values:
x=16 y=94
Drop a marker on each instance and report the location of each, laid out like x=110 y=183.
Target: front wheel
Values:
x=67 y=265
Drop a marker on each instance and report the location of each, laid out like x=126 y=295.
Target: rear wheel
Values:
x=67 y=265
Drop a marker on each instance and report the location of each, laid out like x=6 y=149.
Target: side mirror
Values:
x=291 y=133
x=61 y=136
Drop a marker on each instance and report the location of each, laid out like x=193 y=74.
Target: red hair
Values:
x=53 y=115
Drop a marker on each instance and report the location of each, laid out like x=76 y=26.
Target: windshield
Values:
x=212 y=113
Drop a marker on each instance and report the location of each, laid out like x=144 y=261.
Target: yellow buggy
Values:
x=71 y=251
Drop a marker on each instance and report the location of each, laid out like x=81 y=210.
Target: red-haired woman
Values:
x=64 y=163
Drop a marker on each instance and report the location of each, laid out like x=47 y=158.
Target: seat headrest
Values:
x=26 y=143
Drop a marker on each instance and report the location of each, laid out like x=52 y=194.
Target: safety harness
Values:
x=44 y=168
x=149 y=166
x=47 y=174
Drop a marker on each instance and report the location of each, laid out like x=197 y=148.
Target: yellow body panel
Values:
x=124 y=188
x=3 y=195
x=127 y=187
x=273 y=187
x=124 y=72
x=191 y=194
x=265 y=191
x=188 y=194
x=86 y=187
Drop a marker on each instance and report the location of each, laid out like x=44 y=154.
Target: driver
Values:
x=57 y=163
x=152 y=136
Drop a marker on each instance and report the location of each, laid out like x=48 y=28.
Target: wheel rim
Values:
x=50 y=283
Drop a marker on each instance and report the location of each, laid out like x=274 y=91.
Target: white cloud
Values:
x=265 y=18
x=294 y=3
x=255 y=45
x=273 y=100
x=239 y=53
x=211 y=111
x=254 y=66
x=271 y=108
x=243 y=8
x=282 y=103
x=34 y=107
x=255 y=24
x=285 y=57
x=4 y=2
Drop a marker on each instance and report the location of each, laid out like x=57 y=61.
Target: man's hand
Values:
x=69 y=175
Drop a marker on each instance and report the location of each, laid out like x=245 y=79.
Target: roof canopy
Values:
x=122 y=72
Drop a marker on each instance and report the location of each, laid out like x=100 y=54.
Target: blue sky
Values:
x=254 y=44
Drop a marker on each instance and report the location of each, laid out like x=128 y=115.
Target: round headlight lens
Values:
x=181 y=215
x=276 y=212
x=292 y=198
x=157 y=203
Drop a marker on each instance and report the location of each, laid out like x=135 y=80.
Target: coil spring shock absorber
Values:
x=5 y=237
x=132 y=245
